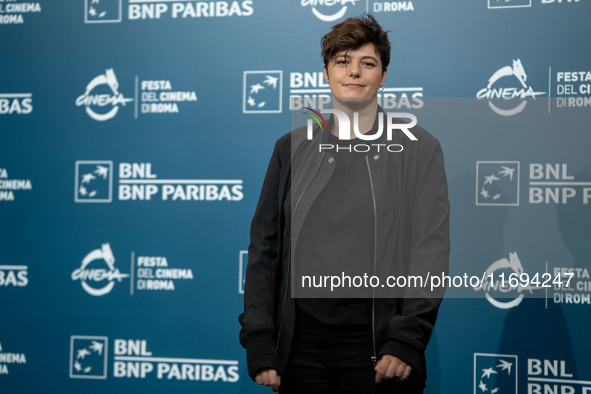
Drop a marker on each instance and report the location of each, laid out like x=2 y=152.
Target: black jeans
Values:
x=337 y=360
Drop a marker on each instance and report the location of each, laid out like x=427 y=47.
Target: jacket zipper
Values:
x=374 y=358
x=289 y=261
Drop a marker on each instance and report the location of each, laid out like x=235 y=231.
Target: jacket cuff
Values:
x=261 y=354
x=405 y=352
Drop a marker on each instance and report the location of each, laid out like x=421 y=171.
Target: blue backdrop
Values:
x=133 y=147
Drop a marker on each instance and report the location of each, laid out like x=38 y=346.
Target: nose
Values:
x=354 y=69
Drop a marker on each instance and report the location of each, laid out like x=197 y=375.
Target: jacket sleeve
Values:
x=258 y=320
x=410 y=330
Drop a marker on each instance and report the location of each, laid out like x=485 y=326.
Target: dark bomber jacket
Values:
x=411 y=213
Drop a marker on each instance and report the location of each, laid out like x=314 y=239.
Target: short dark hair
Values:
x=352 y=33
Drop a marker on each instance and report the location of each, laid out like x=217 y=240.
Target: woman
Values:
x=382 y=211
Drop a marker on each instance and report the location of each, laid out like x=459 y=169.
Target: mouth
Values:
x=354 y=86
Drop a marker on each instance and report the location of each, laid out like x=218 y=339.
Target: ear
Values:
x=383 y=77
x=325 y=72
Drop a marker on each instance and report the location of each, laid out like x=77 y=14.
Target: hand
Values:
x=389 y=367
x=269 y=377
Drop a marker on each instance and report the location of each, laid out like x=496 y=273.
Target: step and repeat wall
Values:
x=135 y=134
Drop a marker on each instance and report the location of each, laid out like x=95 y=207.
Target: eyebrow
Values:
x=345 y=55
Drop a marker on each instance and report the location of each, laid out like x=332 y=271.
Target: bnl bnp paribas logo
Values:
x=495 y=373
x=262 y=92
x=507 y=91
x=97 y=273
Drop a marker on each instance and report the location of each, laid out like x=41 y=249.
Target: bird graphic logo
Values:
x=495 y=373
x=262 y=91
x=497 y=183
x=88 y=357
x=94 y=181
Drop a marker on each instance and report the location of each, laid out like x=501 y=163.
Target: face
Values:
x=355 y=73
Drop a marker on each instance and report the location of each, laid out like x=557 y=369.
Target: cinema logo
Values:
x=11 y=12
x=138 y=182
x=504 y=293
x=573 y=89
x=392 y=123
x=391 y=6
x=97 y=273
x=153 y=273
x=331 y=10
x=507 y=91
x=310 y=89
x=158 y=97
x=9 y=359
x=101 y=98
x=9 y=186
x=16 y=103
x=576 y=291
x=503 y=374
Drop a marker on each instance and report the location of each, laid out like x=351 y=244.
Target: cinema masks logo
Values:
x=345 y=130
x=262 y=92
x=328 y=10
x=519 y=94
x=89 y=271
x=497 y=183
x=102 y=11
x=509 y=3
x=96 y=97
x=495 y=373
x=16 y=103
x=504 y=293
x=88 y=357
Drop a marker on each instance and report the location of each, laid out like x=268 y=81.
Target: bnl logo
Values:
x=262 y=92
x=88 y=357
x=94 y=181
x=102 y=11
x=508 y=3
x=497 y=183
x=495 y=373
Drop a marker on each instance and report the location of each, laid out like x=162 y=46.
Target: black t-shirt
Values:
x=338 y=228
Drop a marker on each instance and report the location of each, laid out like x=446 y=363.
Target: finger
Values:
x=406 y=373
x=400 y=370
x=272 y=376
x=275 y=380
x=275 y=387
x=258 y=378
x=265 y=377
x=392 y=369
x=381 y=368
